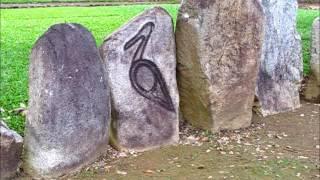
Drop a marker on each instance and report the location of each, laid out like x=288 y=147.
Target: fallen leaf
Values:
x=205 y=139
x=107 y=168
x=302 y=157
x=148 y=171
x=121 y=172
x=123 y=154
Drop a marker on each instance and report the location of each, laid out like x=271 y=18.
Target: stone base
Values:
x=312 y=90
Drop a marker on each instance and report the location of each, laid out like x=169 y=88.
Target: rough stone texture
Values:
x=69 y=108
x=281 y=67
x=141 y=63
x=218 y=49
x=313 y=86
x=10 y=151
x=315 y=49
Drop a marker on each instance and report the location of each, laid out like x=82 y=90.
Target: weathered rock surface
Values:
x=69 y=108
x=281 y=66
x=315 y=49
x=10 y=151
x=312 y=91
x=141 y=63
x=218 y=50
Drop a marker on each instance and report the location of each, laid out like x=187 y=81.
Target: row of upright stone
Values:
x=75 y=88
x=281 y=66
x=69 y=102
x=127 y=88
x=218 y=51
x=220 y=69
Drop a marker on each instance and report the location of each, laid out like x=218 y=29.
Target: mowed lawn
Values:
x=64 y=1
x=20 y=28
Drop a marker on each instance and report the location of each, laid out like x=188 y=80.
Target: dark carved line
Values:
x=166 y=101
x=137 y=62
x=144 y=40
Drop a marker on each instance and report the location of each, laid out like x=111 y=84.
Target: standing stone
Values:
x=312 y=91
x=141 y=63
x=281 y=66
x=315 y=49
x=218 y=50
x=10 y=151
x=68 y=117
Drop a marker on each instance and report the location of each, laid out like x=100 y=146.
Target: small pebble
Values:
x=222 y=152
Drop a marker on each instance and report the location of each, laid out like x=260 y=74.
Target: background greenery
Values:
x=20 y=28
x=58 y=1
x=304 y=25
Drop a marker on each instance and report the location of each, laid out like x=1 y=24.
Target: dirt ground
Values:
x=284 y=146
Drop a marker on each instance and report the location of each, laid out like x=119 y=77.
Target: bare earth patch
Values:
x=284 y=146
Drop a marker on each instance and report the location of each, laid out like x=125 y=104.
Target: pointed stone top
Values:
x=147 y=13
x=6 y=131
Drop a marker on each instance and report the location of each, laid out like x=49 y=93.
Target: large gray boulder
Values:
x=218 y=51
x=312 y=91
x=69 y=110
x=281 y=66
x=10 y=151
x=141 y=63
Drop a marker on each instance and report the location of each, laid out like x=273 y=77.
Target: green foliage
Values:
x=304 y=24
x=65 y=1
x=20 y=28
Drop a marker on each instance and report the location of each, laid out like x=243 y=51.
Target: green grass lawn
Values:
x=20 y=28
x=304 y=24
x=62 y=1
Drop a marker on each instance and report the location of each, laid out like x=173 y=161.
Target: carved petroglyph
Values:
x=158 y=91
